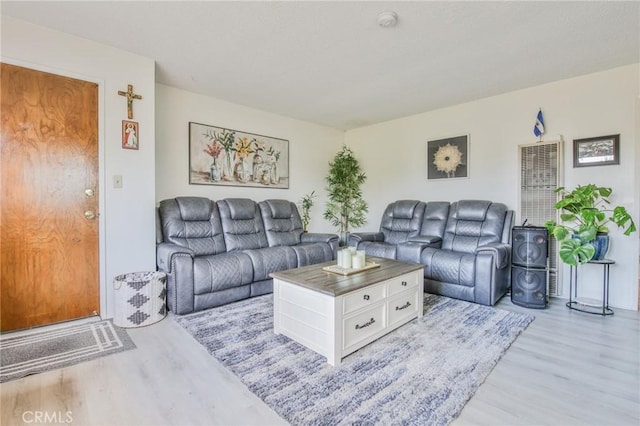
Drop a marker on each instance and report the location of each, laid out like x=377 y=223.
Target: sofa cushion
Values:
x=401 y=220
x=279 y=209
x=195 y=208
x=282 y=223
x=472 y=224
x=241 y=224
x=434 y=219
x=192 y=222
x=220 y=272
x=449 y=266
x=271 y=259
x=241 y=208
x=473 y=210
x=404 y=209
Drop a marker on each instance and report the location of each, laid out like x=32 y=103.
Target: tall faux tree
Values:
x=345 y=208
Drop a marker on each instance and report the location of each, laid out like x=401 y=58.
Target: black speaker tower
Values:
x=529 y=252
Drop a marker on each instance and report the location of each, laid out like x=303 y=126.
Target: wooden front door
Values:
x=49 y=198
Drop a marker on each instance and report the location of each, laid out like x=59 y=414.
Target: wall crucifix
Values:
x=130 y=97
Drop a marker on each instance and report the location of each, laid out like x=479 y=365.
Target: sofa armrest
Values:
x=427 y=240
x=317 y=237
x=165 y=253
x=501 y=252
x=358 y=237
x=410 y=251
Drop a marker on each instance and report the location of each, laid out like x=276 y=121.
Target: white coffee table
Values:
x=336 y=315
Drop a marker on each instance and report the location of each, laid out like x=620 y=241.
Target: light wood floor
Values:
x=567 y=368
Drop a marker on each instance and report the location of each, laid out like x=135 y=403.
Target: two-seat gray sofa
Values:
x=464 y=246
x=218 y=252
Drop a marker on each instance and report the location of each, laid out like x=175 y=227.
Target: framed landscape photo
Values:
x=600 y=151
x=219 y=156
x=448 y=158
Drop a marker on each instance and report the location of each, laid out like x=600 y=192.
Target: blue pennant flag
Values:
x=538 y=129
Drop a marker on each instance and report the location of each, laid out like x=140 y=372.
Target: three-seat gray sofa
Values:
x=218 y=252
x=464 y=246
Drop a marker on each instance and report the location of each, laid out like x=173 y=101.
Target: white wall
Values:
x=311 y=147
x=127 y=218
x=393 y=154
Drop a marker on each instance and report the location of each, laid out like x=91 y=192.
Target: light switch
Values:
x=117 y=181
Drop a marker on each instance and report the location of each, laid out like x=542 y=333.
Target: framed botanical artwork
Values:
x=448 y=158
x=130 y=135
x=600 y=151
x=219 y=156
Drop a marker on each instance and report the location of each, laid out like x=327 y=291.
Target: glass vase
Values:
x=257 y=168
x=227 y=172
x=275 y=174
x=215 y=172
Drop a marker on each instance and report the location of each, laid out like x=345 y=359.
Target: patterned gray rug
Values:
x=422 y=373
x=36 y=352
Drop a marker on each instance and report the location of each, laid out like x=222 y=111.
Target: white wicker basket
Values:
x=140 y=298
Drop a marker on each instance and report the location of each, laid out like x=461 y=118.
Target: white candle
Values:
x=358 y=261
x=363 y=256
x=340 y=258
x=346 y=259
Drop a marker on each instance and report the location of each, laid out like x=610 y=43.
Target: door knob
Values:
x=89 y=215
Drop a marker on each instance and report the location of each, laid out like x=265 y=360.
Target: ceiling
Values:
x=331 y=63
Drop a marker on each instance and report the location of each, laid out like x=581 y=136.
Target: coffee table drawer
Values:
x=403 y=283
x=403 y=306
x=365 y=297
x=363 y=325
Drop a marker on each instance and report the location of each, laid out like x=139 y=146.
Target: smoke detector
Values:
x=387 y=19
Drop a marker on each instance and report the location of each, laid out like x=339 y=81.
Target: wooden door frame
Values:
x=102 y=281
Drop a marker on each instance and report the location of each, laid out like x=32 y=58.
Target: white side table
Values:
x=585 y=304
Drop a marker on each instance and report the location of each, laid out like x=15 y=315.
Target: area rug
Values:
x=41 y=351
x=422 y=373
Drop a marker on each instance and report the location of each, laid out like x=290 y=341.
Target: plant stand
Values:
x=587 y=305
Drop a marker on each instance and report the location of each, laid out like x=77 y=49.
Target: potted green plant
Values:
x=345 y=206
x=585 y=213
x=305 y=206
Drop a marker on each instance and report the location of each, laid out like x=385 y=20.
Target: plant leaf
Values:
x=573 y=251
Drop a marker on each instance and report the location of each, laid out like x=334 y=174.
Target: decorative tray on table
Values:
x=349 y=271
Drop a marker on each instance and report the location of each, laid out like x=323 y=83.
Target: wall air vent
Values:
x=540 y=175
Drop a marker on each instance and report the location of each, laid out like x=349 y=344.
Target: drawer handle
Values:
x=366 y=297
x=366 y=324
x=404 y=283
x=405 y=306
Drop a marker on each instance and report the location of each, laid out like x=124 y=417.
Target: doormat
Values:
x=42 y=351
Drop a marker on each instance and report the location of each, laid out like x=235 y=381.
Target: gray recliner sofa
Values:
x=217 y=253
x=464 y=246
x=401 y=221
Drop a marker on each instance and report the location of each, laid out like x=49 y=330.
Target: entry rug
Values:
x=421 y=373
x=41 y=351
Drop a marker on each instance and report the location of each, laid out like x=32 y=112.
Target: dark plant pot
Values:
x=601 y=244
x=344 y=239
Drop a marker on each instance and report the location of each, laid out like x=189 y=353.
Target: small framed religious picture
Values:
x=130 y=135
